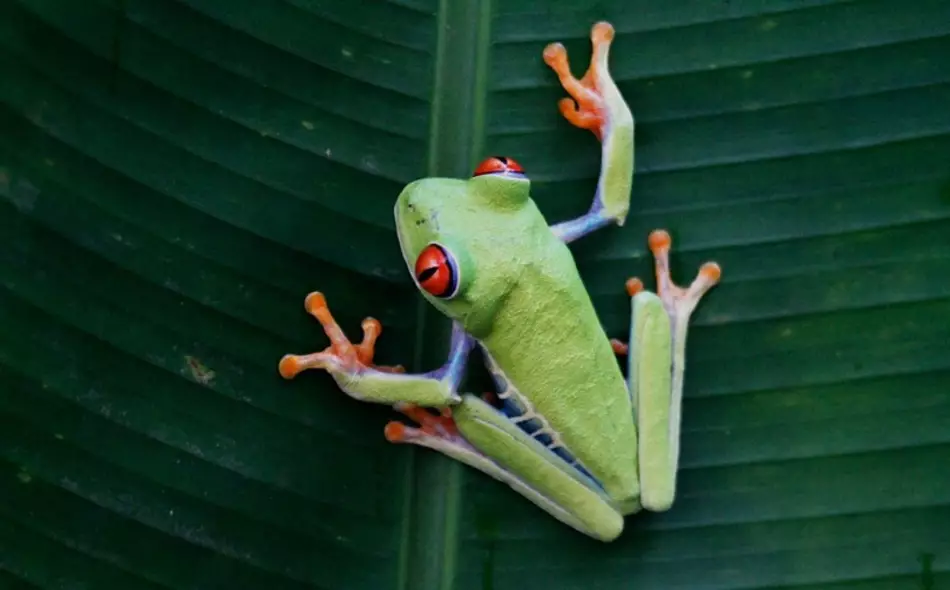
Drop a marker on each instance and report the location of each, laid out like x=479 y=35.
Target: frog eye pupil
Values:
x=437 y=272
x=427 y=273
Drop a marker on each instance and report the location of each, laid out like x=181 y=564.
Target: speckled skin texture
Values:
x=524 y=300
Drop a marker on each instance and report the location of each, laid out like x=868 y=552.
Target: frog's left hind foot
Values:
x=434 y=430
x=341 y=351
x=477 y=434
x=437 y=430
x=440 y=426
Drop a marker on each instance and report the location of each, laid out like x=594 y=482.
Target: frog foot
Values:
x=620 y=347
x=439 y=425
x=587 y=107
x=342 y=355
x=435 y=429
x=679 y=302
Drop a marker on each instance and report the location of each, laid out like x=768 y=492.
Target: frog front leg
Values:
x=596 y=104
x=351 y=366
x=656 y=356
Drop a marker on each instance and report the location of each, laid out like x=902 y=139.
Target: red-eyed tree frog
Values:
x=565 y=429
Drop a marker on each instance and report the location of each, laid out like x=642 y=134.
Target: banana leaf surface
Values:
x=176 y=175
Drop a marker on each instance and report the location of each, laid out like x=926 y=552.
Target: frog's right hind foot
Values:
x=656 y=392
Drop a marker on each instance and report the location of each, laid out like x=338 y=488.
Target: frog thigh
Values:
x=649 y=379
x=532 y=469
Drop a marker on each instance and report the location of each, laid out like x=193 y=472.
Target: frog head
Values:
x=452 y=236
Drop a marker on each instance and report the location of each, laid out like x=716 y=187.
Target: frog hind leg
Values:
x=656 y=365
x=481 y=436
x=596 y=104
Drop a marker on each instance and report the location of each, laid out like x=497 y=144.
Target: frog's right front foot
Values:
x=342 y=357
x=596 y=104
x=595 y=100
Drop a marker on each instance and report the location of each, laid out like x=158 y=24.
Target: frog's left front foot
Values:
x=341 y=355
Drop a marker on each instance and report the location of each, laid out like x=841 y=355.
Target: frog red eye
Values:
x=437 y=271
x=499 y=165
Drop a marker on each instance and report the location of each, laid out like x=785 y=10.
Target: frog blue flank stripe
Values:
x=518 y=409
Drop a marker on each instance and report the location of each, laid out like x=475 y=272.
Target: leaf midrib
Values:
x=456 y=136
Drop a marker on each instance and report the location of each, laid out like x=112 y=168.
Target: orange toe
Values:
x=602 y=33
x=288 y=367
x=315 y=301
x=555 y=55
x=660 y=240
x=619 y=347
x=395 y=432
x=711 y=271
x=633 y=286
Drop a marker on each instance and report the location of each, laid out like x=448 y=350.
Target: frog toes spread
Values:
x=586 y=107
x=678 y=301
x=341 y=355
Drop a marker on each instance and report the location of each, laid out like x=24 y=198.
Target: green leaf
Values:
x=176 y=175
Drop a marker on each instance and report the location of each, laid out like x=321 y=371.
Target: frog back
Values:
x=547 y=342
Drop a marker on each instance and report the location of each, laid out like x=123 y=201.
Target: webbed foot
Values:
x=341 y=356
x=588 y=107
x=596 y=104
x=678 y=301
x=439 y=425
x=431 y=425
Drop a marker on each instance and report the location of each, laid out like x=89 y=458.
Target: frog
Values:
x=565 y=428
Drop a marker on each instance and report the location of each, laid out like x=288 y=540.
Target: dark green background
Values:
x=177 y=174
